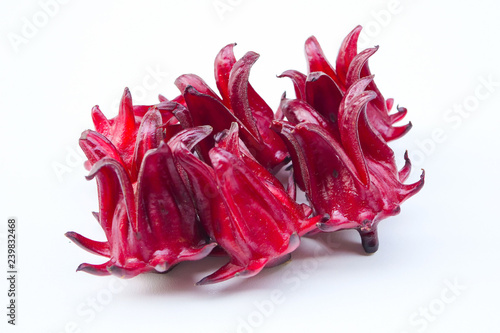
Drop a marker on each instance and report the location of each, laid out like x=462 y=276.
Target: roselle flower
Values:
x=345 y=166
x=324 y=92
x=243 y=208
x=151 y=224
x=239 y=103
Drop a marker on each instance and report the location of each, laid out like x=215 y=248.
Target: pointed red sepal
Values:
x=101 y=123
x=357 y=64
x=409 y=190
x=96 y=147
x=224 y=273
x=149 y=137
x=398 y=115
x=183 y=81
x=224 y=62
x=395 y=133
x=404 y=173
x=317 y=61
x=99 y=270
x=99 y=248
x=348 y=50
x=323 y=94
x=299 y=82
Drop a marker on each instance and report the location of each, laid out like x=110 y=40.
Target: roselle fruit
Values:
x=244 y=208
x=151 y=224
x=343 y=164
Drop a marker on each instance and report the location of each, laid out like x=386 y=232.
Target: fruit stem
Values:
x=369 y=239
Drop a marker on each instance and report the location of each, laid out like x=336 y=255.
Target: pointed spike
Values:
x=406 y=169
x=299 y=82
x=224 y=62
x=126 y=118
x=397 y=132
x=393 y=118
x=222 y=274
x=317 y=61
x=357 y=65
x=101 y=123
x=183 y=81
x=99 y=270
x=99 y=248
x=409 y=190
x=347 y=52
x=238 y=91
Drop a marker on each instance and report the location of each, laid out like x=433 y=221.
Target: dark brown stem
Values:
x=369 y=239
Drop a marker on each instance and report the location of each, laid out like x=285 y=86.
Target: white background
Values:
x=434 y=58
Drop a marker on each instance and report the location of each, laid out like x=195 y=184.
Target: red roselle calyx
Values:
x=345 y=167
x=150 y=224
x=161 y=203
x=245 y=209
x=337 y=132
